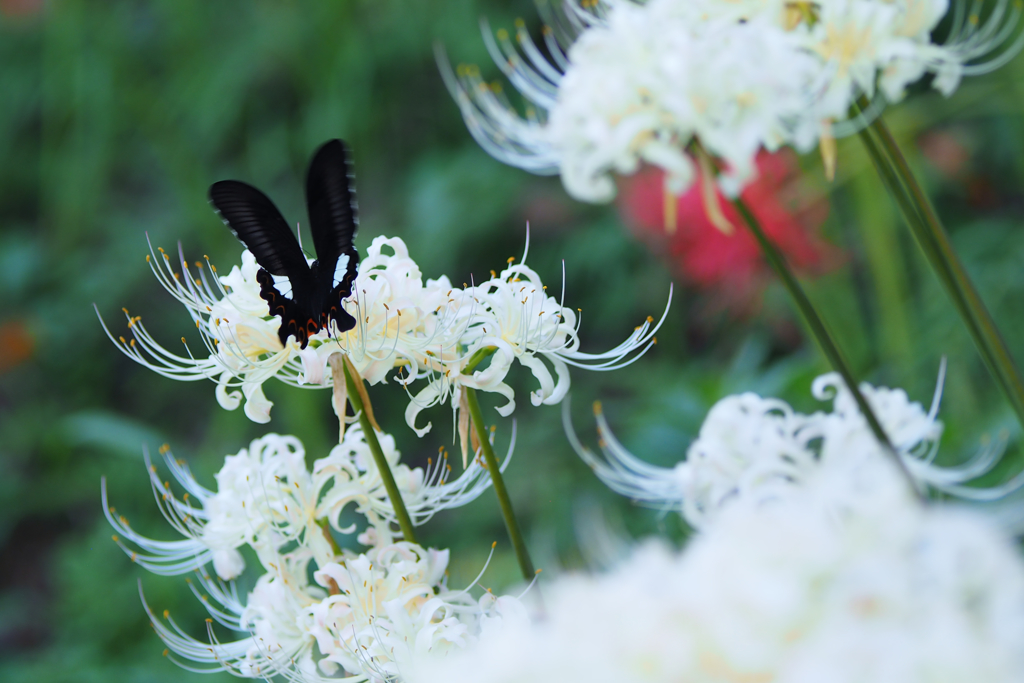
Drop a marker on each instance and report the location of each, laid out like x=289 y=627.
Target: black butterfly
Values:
x=314 y=296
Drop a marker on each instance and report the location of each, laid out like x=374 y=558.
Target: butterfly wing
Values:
x=257 y=223
x=333 y=220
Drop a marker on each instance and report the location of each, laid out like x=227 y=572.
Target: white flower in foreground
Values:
x=364 y=619
x=890 y=592
x=273 y=615
x=266 y=498
x=629 y=83
x=426 y=331
x=758 y=449
x=391 y=605
x=363 y=615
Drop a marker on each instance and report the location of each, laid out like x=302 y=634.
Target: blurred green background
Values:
x=115 y=119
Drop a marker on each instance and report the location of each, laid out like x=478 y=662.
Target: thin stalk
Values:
x=820 y=332
x=930 y=235
x=493 y=468
x=401 y=514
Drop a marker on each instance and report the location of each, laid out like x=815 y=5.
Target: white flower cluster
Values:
x=364 y=615
x=812 y=561
x=891 y=591
x=758 y=449
x=629 y=83
x=430 y=332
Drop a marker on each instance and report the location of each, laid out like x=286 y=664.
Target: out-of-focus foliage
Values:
x=116 y=119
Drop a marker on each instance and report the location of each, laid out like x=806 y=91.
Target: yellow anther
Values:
x=166 y=652
x=511 y=259
x=115 y=538
x=183 y=341
x=650 y=319
x=147 y=258
x=167 y=614
x=597 y=407
x=165 y=448
x=122 y=340
x=502 y=34
x=209 y=620
x=520 y=23
x=494 y=545
x=538 y=571
x=135 y=556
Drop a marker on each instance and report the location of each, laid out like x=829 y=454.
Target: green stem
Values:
x=477 y=358
x=820 y=332
x=325 y=526
x=930 y=235
x=493 y=468
x=401 y=514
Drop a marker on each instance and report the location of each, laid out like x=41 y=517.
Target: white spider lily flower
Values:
x=267 y=498
x=892 y=591
x=349 y=476
x=758 y=449
x=369 y=615
x=399 y=319
x=641 y=83
x=512 y=319
x=380 y=607
x=389 y=605
x=627 y=83
x=236 y=329
x=274 y=615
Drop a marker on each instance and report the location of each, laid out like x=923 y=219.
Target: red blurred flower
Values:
x=730 y=267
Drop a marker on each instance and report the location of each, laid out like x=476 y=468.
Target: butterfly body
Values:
x=307 y=297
